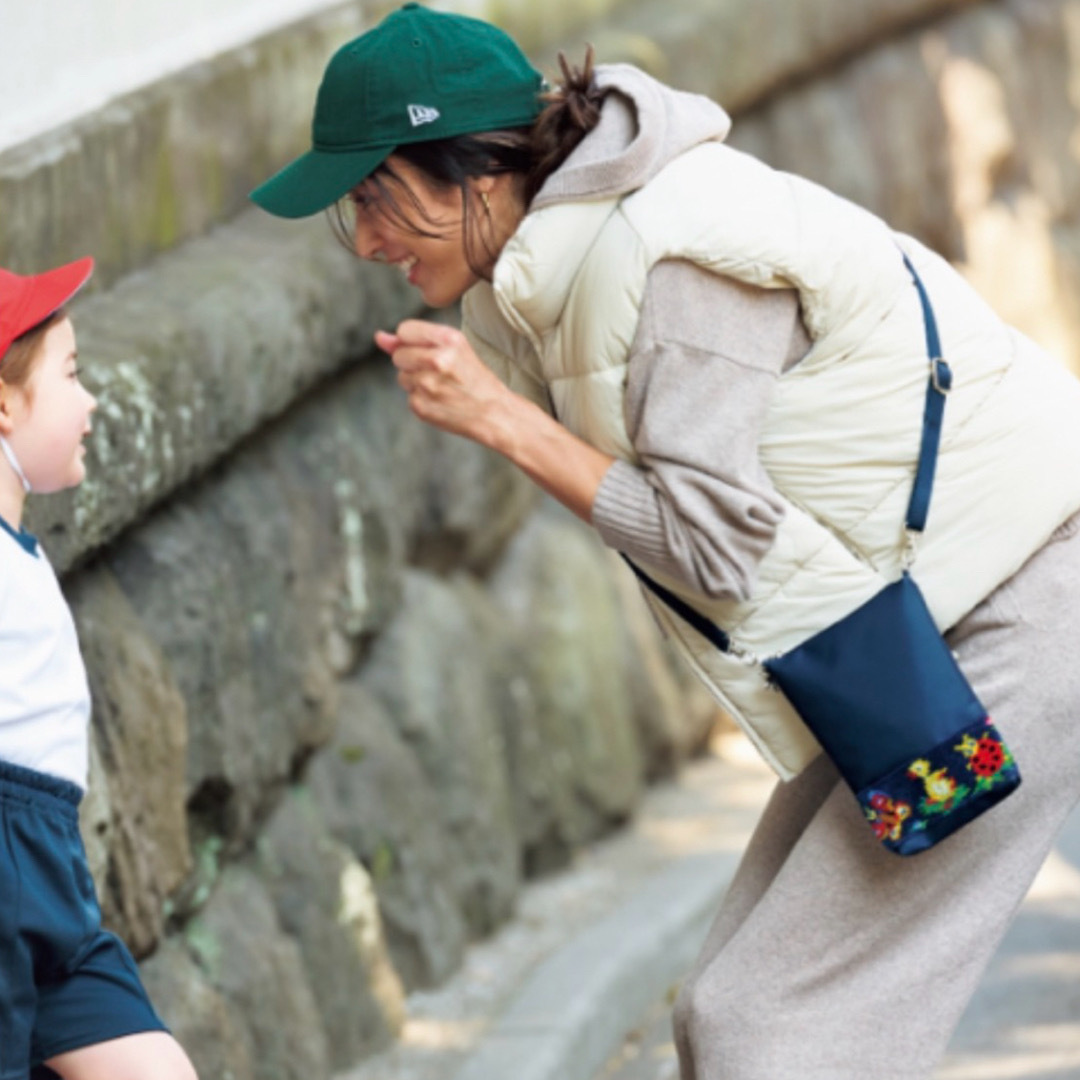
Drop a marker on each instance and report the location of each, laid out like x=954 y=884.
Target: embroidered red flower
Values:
x=887 y=816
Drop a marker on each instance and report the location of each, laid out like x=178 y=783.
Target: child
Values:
x=71 y=1003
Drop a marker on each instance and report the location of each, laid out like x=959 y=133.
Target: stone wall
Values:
x=351 y=688
x=354 y=681
x=62 y=60
x=964 y=133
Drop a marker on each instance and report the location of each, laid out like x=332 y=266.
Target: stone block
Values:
x=740 y=52
x=429 y=669
x=217 y=1039
x=140 y=727
x=577 y=766
x=220 y=589
x=475 y=503
x=376 y=800
x=95 y=816
x=241 y=949
x=325 y=899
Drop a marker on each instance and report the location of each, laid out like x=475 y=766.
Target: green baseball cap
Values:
x=416 y=76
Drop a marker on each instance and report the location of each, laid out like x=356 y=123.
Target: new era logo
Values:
x=422 y=114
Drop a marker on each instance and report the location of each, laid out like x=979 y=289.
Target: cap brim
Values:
x=315 y=181
x=50 y=291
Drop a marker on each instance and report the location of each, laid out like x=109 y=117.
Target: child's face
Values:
x=51 y=415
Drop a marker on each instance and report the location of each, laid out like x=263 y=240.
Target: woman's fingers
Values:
x=387 y=342
x=422 y=332
x=418 y=344
x=417 y=332
x=416 y=359
x=446 y=382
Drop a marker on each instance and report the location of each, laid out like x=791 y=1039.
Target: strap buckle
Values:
x=940 y=374
x=911 y=549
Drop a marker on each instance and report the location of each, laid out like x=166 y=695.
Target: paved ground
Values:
x=579 y=985
x=551 y=995
x=1023 y=1024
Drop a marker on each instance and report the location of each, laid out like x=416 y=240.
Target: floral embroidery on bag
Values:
x=887 y=816
x=988 y=758
x=954 y=778
x=943 y=793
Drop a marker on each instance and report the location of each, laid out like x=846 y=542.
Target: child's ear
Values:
x=7 y=408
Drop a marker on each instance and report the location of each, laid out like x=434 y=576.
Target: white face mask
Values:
x=13 y=461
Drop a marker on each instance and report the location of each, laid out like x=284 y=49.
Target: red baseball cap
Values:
x=27 y=301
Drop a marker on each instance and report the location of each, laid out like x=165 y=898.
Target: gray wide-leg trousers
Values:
x=834 y=959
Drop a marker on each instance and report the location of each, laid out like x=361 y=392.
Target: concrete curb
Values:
x=575 y=1009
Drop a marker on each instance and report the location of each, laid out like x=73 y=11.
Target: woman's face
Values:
x=436 y=265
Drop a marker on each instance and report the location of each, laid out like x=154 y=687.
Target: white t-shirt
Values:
x=44 y=695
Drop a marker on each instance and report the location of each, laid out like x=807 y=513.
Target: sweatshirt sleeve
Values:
x=702 y=370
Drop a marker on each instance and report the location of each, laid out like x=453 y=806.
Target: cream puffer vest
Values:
x=841 y=437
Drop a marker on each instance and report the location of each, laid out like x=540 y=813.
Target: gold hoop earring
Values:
x=486 y=201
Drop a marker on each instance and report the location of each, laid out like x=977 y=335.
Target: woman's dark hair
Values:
x=572 y=111
x=531 y=154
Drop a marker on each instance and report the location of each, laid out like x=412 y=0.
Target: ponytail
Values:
x=572 y=111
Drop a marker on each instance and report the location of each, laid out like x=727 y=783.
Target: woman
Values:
x=722 y=369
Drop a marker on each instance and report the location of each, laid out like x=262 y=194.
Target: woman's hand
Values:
x=447 y=383
x=450 y=387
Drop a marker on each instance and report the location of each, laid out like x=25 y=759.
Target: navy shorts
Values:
x=64 y=982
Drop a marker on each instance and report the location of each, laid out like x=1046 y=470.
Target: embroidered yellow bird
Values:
x=940 y=787
x=967 y=746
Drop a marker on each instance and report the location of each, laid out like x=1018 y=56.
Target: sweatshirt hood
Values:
x=643 y=125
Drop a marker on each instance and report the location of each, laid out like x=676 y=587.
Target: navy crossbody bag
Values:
x=883 y=693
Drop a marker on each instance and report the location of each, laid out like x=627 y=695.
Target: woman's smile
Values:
x=425 y=241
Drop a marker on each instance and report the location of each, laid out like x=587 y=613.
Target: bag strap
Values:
x=938 y=386
x=706 y=627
